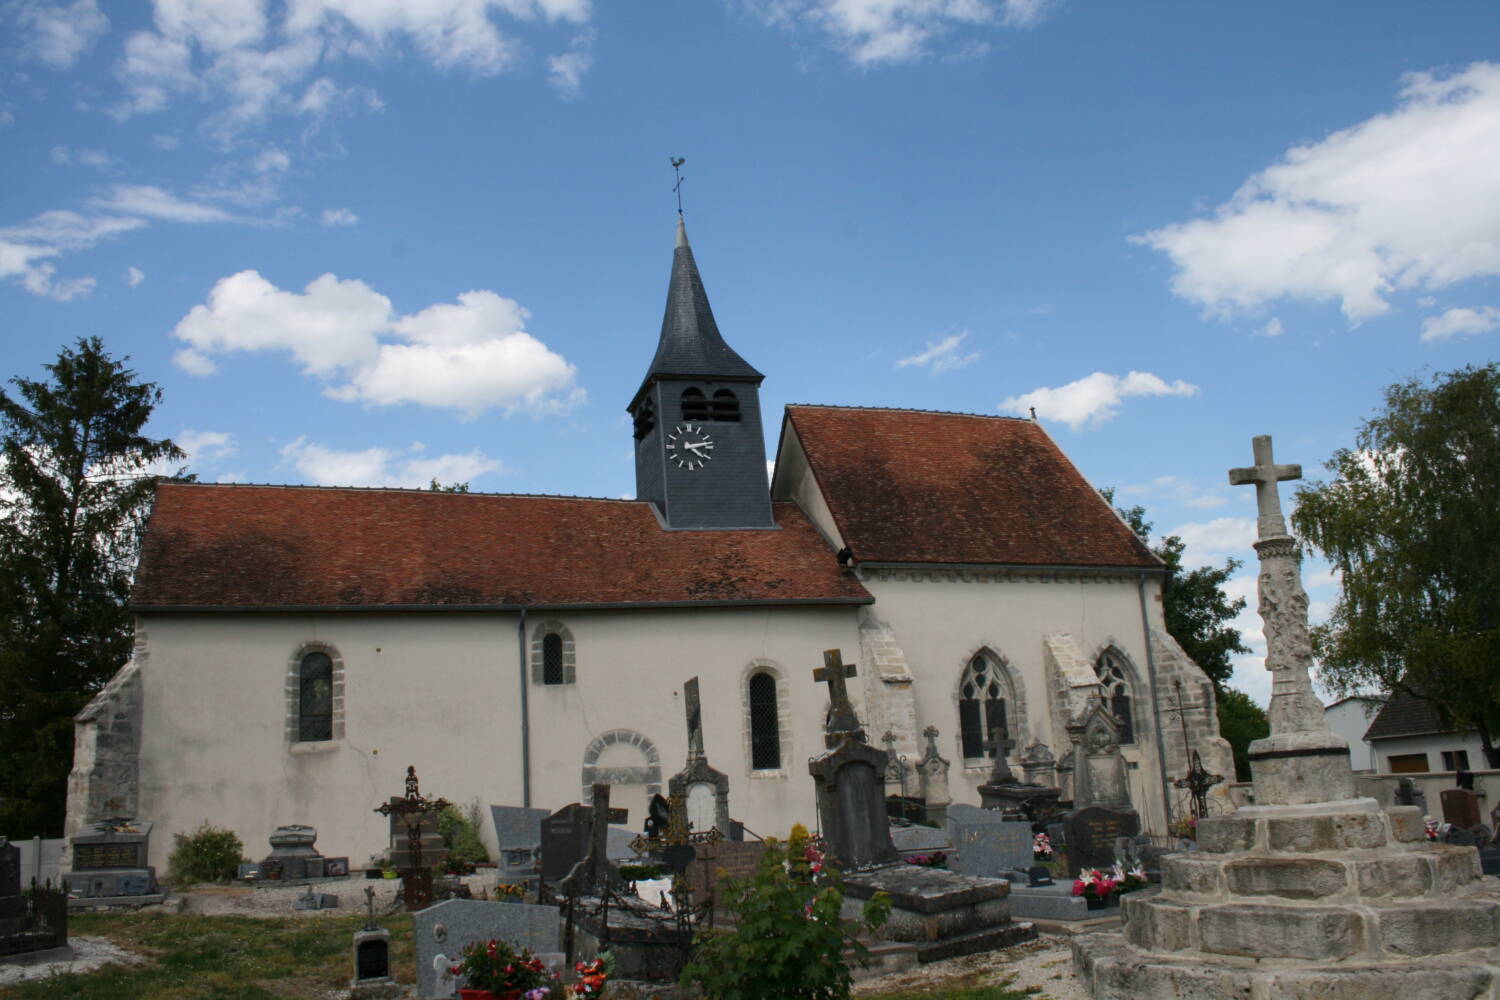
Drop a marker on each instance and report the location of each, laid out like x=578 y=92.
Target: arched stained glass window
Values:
x=1114 y=688
x=982 y=697
x=552 y=659
x=315 y=698
x=765 y=725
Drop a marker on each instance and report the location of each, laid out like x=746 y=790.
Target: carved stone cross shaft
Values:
x=841 y=717
x=999 y=746
x=694 y=719
x=1264 y=475
x=603 y=815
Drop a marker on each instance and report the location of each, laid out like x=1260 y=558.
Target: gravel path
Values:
x=1046 y=963
x=89 y=953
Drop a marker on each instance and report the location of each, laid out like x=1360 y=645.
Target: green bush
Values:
x=208 y=854
x=789 y=941
x=460 y=830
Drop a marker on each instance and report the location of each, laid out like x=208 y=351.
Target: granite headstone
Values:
x=518 y=831
x=565 y=840
x=1091 y=834
x=987 y=844
x=1460 y=807
x=445 y=927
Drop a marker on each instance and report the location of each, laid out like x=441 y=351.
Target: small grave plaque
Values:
x=1092 y=832
x=372 y=959
x=333 y=867
x=1460 y=807
x=95 y=857
x=987 y=844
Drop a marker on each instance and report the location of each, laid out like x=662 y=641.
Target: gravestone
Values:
x=372 y=957
x=703 y=789
x=29 y=926
x=1460 y=807
x=1091 y=834
x=565 y=840
x=849 y=778
x=911 y=840
x=591 y=875
x=1409 y=794
x=518 y=832
x=445 y=927
x=932 y=780
x=987 y=843
x=109 y=860
x=12 y=904
x=292 y=849
x=1460 y=836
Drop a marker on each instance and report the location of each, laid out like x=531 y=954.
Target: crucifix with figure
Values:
x=412 y=809
x=842 y=720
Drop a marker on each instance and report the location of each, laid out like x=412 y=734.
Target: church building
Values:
x=296 y=648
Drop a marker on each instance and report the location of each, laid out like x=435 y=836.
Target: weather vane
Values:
x=677 y=162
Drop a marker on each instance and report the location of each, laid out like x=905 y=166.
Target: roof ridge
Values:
x=398 y=489
x=908 y=409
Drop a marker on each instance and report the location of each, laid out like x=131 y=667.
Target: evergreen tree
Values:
x=1411 y=519
x=75 y=485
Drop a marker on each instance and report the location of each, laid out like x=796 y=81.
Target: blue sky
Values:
x=376 y=241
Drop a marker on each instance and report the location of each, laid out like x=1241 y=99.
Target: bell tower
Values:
x=700 y=454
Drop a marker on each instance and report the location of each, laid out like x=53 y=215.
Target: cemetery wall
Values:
x=441 y=692
x=943 y=618
x=1382 y=788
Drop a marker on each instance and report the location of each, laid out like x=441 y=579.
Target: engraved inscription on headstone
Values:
x=986 y=843
x=1091 y=835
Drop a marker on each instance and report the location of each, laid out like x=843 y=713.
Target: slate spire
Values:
x=691 y=345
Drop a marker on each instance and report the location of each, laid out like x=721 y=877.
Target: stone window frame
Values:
x=1015 y=703
x=294 y=698
x=1130 y=677
x=538 y=659
x=649 y=774
x=783 y=720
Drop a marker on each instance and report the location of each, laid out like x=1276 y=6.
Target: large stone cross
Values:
x=999 y=746
x=694 y=720
x=841 y=717
x=603 y=815
x=1265 y=474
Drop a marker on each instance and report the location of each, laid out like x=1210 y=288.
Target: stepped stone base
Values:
x=1328 y=900
x=943 y=913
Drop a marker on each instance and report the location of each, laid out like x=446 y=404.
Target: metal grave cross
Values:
x=694 y=720
x=841 y=717
x=1198 y=782
x=416 y=878
x=1264 y=475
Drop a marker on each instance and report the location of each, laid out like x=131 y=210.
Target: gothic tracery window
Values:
x=1114 y=688
x=982 y=700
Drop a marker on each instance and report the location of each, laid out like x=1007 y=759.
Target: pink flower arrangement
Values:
x=1094 y=884
x=1432 y=829
x=1041 y=848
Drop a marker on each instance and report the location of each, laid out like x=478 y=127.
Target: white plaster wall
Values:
x=1432 y=745
x=1350 y=718
x=441 y=691
x=942 y=620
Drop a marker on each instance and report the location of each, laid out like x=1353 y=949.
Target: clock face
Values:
x=689 y=446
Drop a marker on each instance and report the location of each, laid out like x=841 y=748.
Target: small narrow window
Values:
x=645 y=418
x=1455 y=760
x=552 y=659
x=725 y=406
x=765 y=725
x=981 y=706
x=1115 y=689
x=694 y=405
x=315 y=700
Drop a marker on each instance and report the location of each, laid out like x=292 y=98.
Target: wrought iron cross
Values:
x=1264 y=475
x=677 y=162
x=841 y=717
x=410 y=810
x=1198 y=782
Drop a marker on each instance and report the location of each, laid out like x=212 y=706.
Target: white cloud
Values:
x=1273 y=328
x=878 y=32
x=256 y=59
x=1176 y=489
x=1094 y=399
x=153 y=202
x=209 y=447
x=58 y=34
x=383 y=466
x=1460 y=323
x=134 y=276
x=1407 y=200
x=26 y=250
x=468 y=356
x=565 y=72
x=339 y=217
x=1209 y=543
x=271 y=161
x=941 y=355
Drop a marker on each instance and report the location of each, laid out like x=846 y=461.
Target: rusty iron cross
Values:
x=411 y=809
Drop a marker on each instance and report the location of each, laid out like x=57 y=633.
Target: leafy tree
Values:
x=1241 y=722
x=75 y=484
x=437 y=487
x=1411 y=519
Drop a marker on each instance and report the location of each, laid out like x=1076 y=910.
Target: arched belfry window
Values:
x=765 y=723
x=315 y=698
x=725 y=406
x=694 y=405
x=1114 y=688
x=984 y=698
x=645 y=418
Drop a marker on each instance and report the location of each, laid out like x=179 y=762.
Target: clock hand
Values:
x=697 y=446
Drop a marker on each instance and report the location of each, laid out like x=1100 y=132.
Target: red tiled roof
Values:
x=924 y=487
x=248 y=547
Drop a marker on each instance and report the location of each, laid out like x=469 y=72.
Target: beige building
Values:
x=298 y=647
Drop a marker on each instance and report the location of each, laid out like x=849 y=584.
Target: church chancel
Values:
x=298 y=646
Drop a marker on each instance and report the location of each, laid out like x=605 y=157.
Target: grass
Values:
x=221 y=957
x=991 y=992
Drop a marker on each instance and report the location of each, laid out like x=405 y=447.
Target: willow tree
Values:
x=1411 y=520
x=76 y=478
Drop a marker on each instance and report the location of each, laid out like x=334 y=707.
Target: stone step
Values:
x=974 y=942
x=1406 y=872
x=1354 y=825
x=1368 y=930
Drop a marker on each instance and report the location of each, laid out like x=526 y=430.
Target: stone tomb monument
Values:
x=1310 y=892
x=518 y=831
x=932 y=780
x=109 y=863
x=441 y=931
x=704 y=789
x=942 y=913
x=1101 y=803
